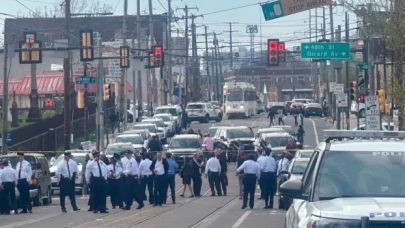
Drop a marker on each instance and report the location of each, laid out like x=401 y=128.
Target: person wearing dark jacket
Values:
x=197 y=165
x=155 y=144
x=184 y=119
x=159 y=167
x=271 y=117
x=223 y=179
x=186 y=174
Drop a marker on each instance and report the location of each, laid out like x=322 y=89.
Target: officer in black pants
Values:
x=159 y=167
x=252 y=173
x=268 y=178
x=96 y=176
x=66 y=174
x=114 y=185
x=146 y=178
x=223 y=179
x=7 y=188
x=24 y=174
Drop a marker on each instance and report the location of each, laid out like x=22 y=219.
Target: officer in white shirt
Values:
x=159 y=167
x=146 y=178
x=259 y=159
x=252 y=173
x=268 y=179
x=114 y=184
x=66 y=173
x=96 y=176
x=132 y=175
x=282 y=165
x=212 y=170
x=8 y=179
x=24 y=173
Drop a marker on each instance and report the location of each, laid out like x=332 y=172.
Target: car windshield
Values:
x=299 y=167
x=150 y=128
x=172 y=111
x=212 y=131
x=194 y=106
x=111 y=149
x=361 y=174
x=306 y=154
x=158 y=123
x=236 y=95
x=184 y=143
x=140 y=132
x=129 y=139
x=240 y=133
x=271 y=130
x=164 y=118
x=277 y=141
x=289 y=130
x=13 y=161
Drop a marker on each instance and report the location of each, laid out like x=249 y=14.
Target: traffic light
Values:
x=124 y=56
x=30 y=56
x=381 y=99
x=86 y=45
x=107 y=91
x=157 y=52
x=361 y=98
x=80 y=98
x=353 y=90
x=272 y=52
x=281 y=51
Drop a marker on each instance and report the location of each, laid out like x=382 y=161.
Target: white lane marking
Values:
x=315 y=132
x=17 y=224
x=241 y=219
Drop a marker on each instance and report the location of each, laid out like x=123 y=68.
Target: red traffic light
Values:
x=48 y=102
x=281 y=47
x=273 y=45
x=158 y=50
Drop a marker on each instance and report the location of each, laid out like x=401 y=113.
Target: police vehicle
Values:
x=353 y=178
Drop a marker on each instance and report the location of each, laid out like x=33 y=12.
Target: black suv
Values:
x=40 y=184
x=226 y=138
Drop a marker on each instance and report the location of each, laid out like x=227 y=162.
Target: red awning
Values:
x=13 y=85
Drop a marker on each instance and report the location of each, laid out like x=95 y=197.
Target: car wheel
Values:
x=219 y=119
x=38 y=199
x=362 y=113
x=207 y=119
x=48 y=199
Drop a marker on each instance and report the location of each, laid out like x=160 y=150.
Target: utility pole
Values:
x=152 y=42
x=216 y=68
x=66 y=81
x=86 y=132
x=5 y=95
x=231 y=43
x=338 y=79
x=186 y=9
x=208 y=66
x=133 y=86
x=100 y=108
x=213 y=84
x=122 y=98
x=195 y=82
x=169 y=47
x=138 y=37
x=293 y=78
x=347 y=73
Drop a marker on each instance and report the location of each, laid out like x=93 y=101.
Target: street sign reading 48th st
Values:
x=318 y=50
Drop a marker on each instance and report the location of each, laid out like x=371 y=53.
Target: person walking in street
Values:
x=301 y=114
x=24 y=174
x=184 y=119
x=268 y=179
x=280 y=114
x=114 y=182
x=159 y=167
x=223 y=178
x=8 y=179
x=270 y=116
x=325 y=107
x=241 y=174
x=252 y=172
x=212 y=171
x=132 y=176
x=260 y=157
x=96 y=176
x=197 y=164
x=146 y=178
x=66 y=174
x=113 y=122
x=294 y=112
x=171 y=177
x=186 y=174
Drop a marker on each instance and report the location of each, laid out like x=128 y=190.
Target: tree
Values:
x=386 y=19
x=77 y=6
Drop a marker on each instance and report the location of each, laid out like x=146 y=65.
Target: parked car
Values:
x=313 y=109
x=227 y=138
x=143 y=132
x=175 y=111
x=185 y=145
x=40 y=184
x=359 y=109
x=161 y=130
x=169 y=122
x=119 y=148
x=304 y=154
x=135 y=139
x=202 y=112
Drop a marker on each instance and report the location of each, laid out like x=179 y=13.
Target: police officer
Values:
x=132 y=175
x=212 y=171
x=268 y=179
x=7 y=188
x=159 y=167
x=66 y=174
x=96 y=175
x=259 y=160
x=114 y=187
x=146 y=178
x=252 y=172
x=223 y=178
x=24 y=173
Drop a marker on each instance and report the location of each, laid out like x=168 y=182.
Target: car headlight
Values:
x=228 y=106
x=319 y=222
x=241 y=107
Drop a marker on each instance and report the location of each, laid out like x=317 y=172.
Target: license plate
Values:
x=235 y=106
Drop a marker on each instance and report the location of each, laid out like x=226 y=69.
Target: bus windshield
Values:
x=236 y=95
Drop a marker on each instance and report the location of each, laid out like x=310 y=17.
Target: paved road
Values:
x=207 y=211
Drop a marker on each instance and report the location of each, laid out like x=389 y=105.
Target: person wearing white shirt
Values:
x=282 y=165
x=53 y=160
x=252 y=173
x=8 y=179
x=24 y=173
x=259 y=159
x=132 y=176
x=159 y=167
x=66 y=173
x=257 y=141
x=212 y=170
x=114 y=175
x=96 y=176
x=268 y=179
x=146 y=178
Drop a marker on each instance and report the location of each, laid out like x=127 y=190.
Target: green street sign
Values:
x=85 y=80
x=272 y=10
x=318 y=50
x=362 y=66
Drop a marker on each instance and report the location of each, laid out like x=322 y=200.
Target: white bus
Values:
x=240 y=99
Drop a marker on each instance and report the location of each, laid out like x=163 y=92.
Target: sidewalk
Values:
x=353 y=121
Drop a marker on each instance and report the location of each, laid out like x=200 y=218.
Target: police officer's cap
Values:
x=129 y=152
x=4 y=162
x=113 y=158
x=20 y=154
x=67 y=153
x=96 y=153
x=116 y=156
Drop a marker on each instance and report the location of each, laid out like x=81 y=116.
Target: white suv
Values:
x=346 y=180
x=202 y=112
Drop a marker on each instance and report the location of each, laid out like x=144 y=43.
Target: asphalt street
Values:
x=206 y=211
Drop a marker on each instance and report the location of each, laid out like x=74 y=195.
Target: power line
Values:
x=229 y=9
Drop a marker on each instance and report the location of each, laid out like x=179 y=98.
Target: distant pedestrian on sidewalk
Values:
x=271 y=117
x=280 y=116
x=113 y=122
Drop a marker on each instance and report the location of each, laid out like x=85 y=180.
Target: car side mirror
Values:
x=293 y=189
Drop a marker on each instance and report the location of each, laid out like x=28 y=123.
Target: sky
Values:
x=292 y=29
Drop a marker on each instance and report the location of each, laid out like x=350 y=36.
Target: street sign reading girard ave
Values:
x=318 y=50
